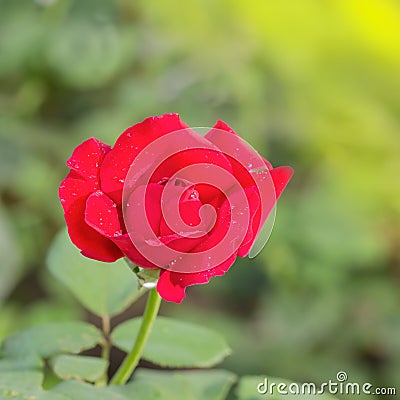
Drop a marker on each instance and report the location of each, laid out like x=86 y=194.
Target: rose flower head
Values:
x=170 y=199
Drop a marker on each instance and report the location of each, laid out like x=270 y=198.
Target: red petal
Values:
x=143 y=225
x=230 y=221
x=152 y=210
x=188 y=207
x=171 y=285
x=87 y=158
x=198 y=161
x=127 y=247
x=131 y=142
x=253 y=199
x=219 y=229
x=243 y=151
x=91 y=243
x=101 y=214
x=189 y=212
x=224 y=127
x=281 y=176
x=72 y=189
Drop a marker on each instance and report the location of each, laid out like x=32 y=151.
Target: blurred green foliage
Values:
x=310 y=84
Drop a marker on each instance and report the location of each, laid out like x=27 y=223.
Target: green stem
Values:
x=131 y=361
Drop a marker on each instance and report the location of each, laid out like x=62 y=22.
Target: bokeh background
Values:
x=311 y=84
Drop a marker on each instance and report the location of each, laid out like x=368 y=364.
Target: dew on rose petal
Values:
x=121 y=180
x=194 y=195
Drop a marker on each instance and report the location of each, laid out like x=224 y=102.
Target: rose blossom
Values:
x=104 y=181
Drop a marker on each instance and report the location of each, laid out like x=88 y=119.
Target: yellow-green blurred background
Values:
x=312 y=84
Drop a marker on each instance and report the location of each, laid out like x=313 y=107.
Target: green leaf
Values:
x=37 y=394
x=103 y=288
x=248 y=389
x=23 y=363
x=74 y=390
x=188 y=385
x=78 y=367
x=175 y=344
x=21 y=378
x=50 y=339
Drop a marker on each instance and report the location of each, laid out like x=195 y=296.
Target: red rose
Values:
x=147 y=201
